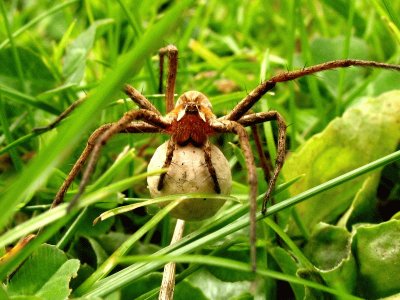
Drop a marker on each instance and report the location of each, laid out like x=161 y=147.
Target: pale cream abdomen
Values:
x=188 y=173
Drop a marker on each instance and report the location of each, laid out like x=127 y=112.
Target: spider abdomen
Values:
x=188 y=173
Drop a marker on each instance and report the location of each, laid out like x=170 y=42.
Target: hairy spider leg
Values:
x=207 y=157
x=246 y=103
x=251 y=120
x=139 y=127
x=168 y=159
x=265 y=164
x=224 y=126
x=139 y=99
x=172 y=53
x=141 y=114
x=78 y=164
x=60 y=117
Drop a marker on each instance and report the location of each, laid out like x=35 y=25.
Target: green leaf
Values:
x=37 y=76
x=226 y=275
x=324 y=49
x=329 y=250
x=217 y=62
x=377 y=252
x=287 y=264
x=45 y=274
x=185 y=290
x=384 y=82
x=342 y=8
x=42 y=166
x=3 y=293
x=365 y=132
x=77 y=52
x=86 y=227
x=214 y=288
x=99 y=252
x=362 y=208
x=142 y=285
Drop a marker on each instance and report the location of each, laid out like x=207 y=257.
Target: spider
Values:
x=192 y=121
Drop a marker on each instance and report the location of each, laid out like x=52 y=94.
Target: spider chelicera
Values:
x=191 y=121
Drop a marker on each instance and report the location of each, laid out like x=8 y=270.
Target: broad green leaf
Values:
x=141 y=286
x=112 y=240
x=329 y=250
x=77 y=52
x=37 y=76
x=3 y=293
x=362 y=208
x=342 y=8
x=364 y=133
x=324 y=49
x=86 y=227
x=46 y=273
x=185 y=290
x=377 y=252
x=288 y=265
x=99 y=252
x=214 y=288
x=385 y=81
x=226 y=275
x=396 y=216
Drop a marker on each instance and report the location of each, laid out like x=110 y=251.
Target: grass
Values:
x=51 y=55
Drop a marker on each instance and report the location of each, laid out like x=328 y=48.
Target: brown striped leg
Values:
x=234 y=127
x=120 y=126
x=264 y=162
x=61 y=117
x=79 y=164
x=207 y=156
x=167 y=163
x=172 y=53
x=139 y=127
x=252 y=119
x=139 y=99
x=244 y=105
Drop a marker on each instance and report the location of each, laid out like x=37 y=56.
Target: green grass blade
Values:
x=112 y=261
x=25 y=99
x=16 y=58
x=198 y=240
x=9 y=139
x=234 y=265
x=37 y=20
x=42 y=166
x=60 y=211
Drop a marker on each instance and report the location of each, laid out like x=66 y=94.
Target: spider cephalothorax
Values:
x=191 y=119
x=191 y=122
x=194 y=164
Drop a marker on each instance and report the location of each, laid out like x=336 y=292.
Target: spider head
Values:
x=193 y=103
